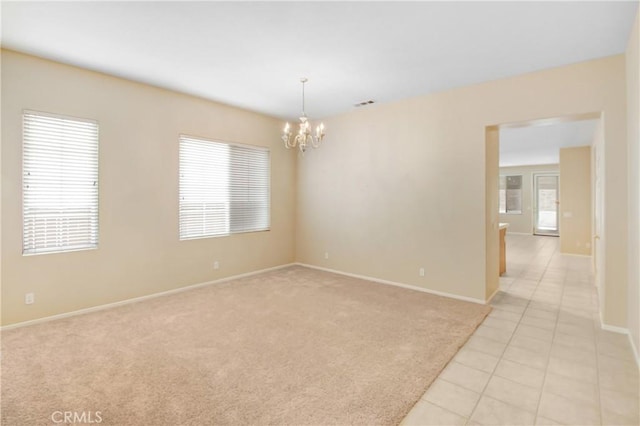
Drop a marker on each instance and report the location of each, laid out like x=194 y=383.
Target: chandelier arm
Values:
x=304 y=138
x=288 y=143
x=314 y=141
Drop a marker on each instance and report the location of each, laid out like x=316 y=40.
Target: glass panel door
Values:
x=546 y=204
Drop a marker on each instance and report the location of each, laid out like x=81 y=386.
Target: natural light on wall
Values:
x=60 y=183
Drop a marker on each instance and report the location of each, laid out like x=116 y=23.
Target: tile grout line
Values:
x=595 y=341
x=502 y=355
x=558 y=287
x=553 y=338
x=437 y=405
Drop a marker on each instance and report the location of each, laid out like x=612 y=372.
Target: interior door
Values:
x=546 y=201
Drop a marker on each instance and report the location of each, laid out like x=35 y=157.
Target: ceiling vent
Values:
x=360 y=104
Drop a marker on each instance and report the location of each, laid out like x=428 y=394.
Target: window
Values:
x=60 y=183
x=511 y=194
x=224 y=188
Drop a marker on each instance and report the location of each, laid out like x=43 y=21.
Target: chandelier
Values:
x=304 y=138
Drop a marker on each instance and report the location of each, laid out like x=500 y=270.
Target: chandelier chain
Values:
x=304 y=114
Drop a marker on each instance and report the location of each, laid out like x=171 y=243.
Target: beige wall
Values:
x=633 y=134
x=384 y=196
x=575 y=200
x=402 y=185
x=1 y=174
x=597 y=196
x=492 y=239
x=139 y=251
x=523 y=223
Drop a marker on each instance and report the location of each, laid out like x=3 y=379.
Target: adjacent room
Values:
x=314 y=213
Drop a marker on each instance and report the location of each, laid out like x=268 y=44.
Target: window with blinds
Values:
x=510 y=194
x=224 y=188
x=60 y=183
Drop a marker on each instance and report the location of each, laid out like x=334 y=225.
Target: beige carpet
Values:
x=293 y=346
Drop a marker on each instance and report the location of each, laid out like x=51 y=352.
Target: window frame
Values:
x=229 y=219
x=94 y=220
x=508 y=211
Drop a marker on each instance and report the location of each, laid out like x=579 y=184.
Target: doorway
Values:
x=506 y=147
x=546 y=204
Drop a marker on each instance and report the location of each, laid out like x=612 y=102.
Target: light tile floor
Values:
x=540 y=357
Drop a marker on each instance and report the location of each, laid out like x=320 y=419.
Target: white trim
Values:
x=407 y=286
x=518 y=233
x=611 y=328
x=137 y=299
x=636 y=355
x=493 y=295
x=621 y=330
x=614 y=329
x=575 y=255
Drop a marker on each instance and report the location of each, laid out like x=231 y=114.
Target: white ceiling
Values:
x=252 y=55
x=533 y=145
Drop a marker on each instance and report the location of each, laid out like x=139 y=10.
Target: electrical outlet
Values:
x=29 y=298
x=422 y=272
x=326 y=254
x=216 y=265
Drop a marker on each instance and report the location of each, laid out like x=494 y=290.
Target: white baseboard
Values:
x=137 y=299
x=622 y=330
x=614 y=329
x=493 y=295
x=518 y=233
x=575 y=255
x=636 y=354
x=393 y=283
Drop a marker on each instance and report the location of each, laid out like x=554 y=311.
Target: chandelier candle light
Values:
x=304 y=136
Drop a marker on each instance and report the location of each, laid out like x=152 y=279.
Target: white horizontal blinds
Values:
x=204 y=188
x=60 y=183
x=224 y=188
x=502 y=194
x=249 y=189
x=514 y=194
